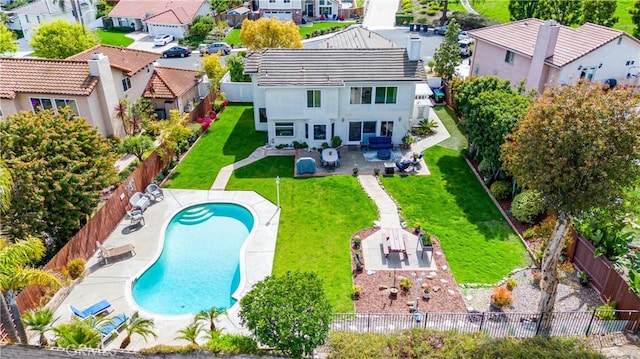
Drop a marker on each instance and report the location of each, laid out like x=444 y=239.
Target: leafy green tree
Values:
x=635 y=18
x=576 y=146
x=7 y=40
x=447 y=55
x=59 y=164
x=270 y=33
x=464 y=91
x=5 y=187
x=605 y=229
x=290 y=313
x=214 y=70
x=600 y=12
x=173 y=131
x=77 y=334
x=15 y=274
x=220 y=6
x=522 y=9
x=191 y=332
x=59 y=39
x=137 y=145
x=137 y=325
x=567 y=13
x=40 y=320
x=236 y=68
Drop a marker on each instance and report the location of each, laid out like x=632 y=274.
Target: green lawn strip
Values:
x=478 y=242
x=233 y=37
x=319 y=216
x=458 y=140
x=113 y=37
x=230 y=138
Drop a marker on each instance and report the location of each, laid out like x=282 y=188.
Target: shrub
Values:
x=405 y=283
x=336 y=141
x=126 y=172
x=431 y=12
x=501 y=190
x=484 y=167
x=529 y=233
x=356 y=291
x=511 y=283
x=233 y=344
x=74 y=268
x=607 y=311
x=527 y=206
x=218 y=105
x=501 y=297
x=298 y=145
x=114 y=144
x=195 y=130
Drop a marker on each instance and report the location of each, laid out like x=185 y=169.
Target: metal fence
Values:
x=492 y=324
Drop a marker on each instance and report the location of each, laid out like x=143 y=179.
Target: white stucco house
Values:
x=35 y=13
x=545 y=53
x=156 y=17
x=295 y=9
x=312 y=95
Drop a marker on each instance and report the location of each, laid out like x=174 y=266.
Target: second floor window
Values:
x=360 y=95
x=509 y=57
x=386 y=94
x=126 y=84
x=313 y=98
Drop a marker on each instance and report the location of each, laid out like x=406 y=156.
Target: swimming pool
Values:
x=199 y=265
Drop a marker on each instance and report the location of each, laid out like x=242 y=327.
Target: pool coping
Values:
x=113 y=281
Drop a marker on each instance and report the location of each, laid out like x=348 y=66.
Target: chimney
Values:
x=100 y=67
x=413 y=46
x=544 y=48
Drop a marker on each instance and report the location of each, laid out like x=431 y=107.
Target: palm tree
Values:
x=190 y=332
x=209 y=316
x=41 y=321
x=140 y=326
x=77 y=334
x=15 y=275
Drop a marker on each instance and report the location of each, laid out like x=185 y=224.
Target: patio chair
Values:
x=110 y=329
x=404 y=165
x=108 y=253
x=139 y=201
x=153 y=190
x=135 y=215
x=96 y=309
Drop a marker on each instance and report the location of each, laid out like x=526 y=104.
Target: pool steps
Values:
x=195 y=215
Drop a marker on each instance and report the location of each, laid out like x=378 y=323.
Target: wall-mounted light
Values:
x=600 y=65
x=343 y=119
x=579 y=67
x=399 y=119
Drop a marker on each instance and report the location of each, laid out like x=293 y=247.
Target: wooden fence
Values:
x=603 y=276
x=98 y=228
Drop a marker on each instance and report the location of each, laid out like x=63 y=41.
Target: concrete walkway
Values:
x=380 y=14
x=387 y=208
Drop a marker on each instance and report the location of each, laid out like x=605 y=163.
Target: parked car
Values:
x=441 y=30
x=176 y=51
x=216 y=47
x=162 y=39
x=466 y=46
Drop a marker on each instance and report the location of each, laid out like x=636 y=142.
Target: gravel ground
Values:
x=571 y=295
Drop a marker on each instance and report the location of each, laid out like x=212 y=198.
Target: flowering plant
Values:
x=536 y=275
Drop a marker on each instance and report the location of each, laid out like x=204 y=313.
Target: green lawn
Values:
x=498 y=10
x=112 y=37
x=229 y=139
x=458 y=140
x=319 y=216
x=233 y=37
x=451 y=203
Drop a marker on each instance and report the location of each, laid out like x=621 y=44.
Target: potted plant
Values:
x=356 y=291
x=417 y=228
x=425 y=291
x=405 y=284
x=357 y=242
x=336 y=141
x=427 y=240
x=536 y=276
x=355 y=170
x=376 y=171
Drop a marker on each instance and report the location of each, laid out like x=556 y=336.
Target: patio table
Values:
x=330 y=156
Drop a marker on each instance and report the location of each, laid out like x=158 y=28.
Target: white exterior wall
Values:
x=280 y=5
x=28 y=21
x=178 y=31
x=289 y=104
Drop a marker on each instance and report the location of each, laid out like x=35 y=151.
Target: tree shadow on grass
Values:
x=268 y=167
x=243 y=139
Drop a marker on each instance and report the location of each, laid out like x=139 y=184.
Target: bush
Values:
x=431 y=12
x=233 y=344
x=511 y=283
x=336 y=141
x=501 y=190
x=501 y=297
x=114 y=144
x=527 y=206
x=607 y=311
x=126 y=172
x=75 y=268
x=195 y=130
x=484 y=167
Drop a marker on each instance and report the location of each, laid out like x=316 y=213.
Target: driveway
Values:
x=380 y=14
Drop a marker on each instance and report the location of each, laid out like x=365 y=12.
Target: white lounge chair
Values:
x=135 y=215
x=140 y=201
x=153 y=190
x=108 y=253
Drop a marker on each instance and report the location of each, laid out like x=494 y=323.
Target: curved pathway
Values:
x=468 y=7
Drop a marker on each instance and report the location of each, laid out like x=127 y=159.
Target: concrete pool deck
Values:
x=111 y=281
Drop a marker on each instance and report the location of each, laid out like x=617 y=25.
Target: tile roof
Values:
x=45 y=76
x=170 y=83
x=520 y=36
x=44 y=7
x=128 y=60
x=332 y=67
x=171 y=16
x=142 y=9
x=356 y=37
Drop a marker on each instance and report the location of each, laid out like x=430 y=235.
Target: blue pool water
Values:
x=199 y=265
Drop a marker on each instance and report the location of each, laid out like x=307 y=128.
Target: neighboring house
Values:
x=312 y=95
x=171 y=17
x=174 y=89
x=91 y=83
x=37 y=12
x=282 y=9
x=545 y=53
x=355 y=37
x=328 y=8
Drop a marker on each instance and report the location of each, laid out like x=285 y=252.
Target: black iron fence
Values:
x=492 y=324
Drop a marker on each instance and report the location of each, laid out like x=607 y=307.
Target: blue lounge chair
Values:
x=111 y=328
x=98 y=308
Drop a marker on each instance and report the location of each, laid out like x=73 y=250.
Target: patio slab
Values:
x=113 y=281
x=375 y=260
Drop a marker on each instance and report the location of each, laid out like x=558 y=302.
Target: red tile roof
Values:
x=45 y=76
x=170 y=83
x=128 y=60
x=172 y=16
x=142 y=9
x=520 y=36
